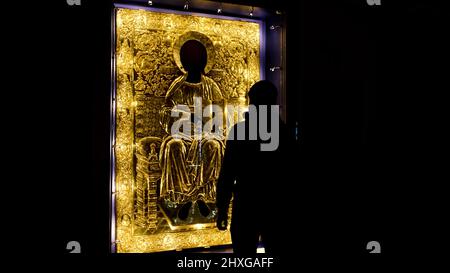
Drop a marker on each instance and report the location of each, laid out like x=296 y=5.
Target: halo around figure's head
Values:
x=197 y=36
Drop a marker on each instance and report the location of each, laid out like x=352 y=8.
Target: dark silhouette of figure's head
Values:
x=263 y=93
x=193 y=58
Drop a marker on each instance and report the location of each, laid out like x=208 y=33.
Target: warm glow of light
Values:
x=198 y=226
x=153 y=35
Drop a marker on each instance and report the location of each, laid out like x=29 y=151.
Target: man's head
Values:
x=263 y=93
x=193 y=56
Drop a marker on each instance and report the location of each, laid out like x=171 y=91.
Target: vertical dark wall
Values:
x=77 y=101
x=331 y=94
x=364 y=83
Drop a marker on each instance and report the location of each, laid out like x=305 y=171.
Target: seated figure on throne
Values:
x=190 y=165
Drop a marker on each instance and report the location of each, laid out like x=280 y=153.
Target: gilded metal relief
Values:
x=165 y=186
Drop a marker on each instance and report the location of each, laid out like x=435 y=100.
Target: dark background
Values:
x=365 y=84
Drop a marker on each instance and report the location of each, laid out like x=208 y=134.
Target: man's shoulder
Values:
x=216 y=92
x=176 y=83
x=208 y=79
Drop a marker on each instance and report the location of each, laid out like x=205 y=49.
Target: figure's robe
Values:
x=190 y=166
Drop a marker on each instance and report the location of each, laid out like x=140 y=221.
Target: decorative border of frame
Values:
x=124 y=240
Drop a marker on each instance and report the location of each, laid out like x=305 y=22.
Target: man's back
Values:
x=256 y=174
x=258 y=181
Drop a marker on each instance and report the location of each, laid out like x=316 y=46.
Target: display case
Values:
x=162 y=186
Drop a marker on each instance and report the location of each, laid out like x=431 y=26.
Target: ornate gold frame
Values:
x=145 y=39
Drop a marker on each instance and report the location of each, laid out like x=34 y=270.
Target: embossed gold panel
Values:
x=147 y=62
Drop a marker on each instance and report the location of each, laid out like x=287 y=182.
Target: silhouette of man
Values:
x=256 y=180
